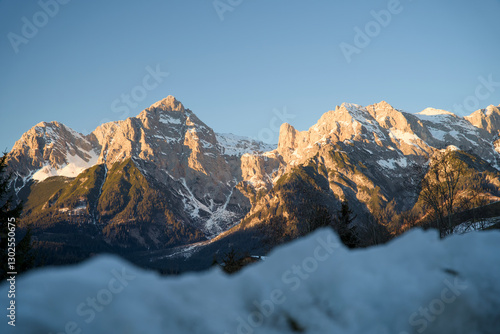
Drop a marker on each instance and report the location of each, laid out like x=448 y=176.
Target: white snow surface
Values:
x=416 y=283
x=74 y=165
x=433 y=112
x=239 y=145
x=401 y=162
x=406 y=137
x=470 y=226
x=167 y=119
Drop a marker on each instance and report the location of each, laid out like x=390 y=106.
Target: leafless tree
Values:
x=444 y=186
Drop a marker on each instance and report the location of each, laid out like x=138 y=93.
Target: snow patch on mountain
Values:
x=191 y=203
x=220 y=217
x=362 y=117
x=166 y=119
x=352 y=107
x=407 y=137
x=434 y=112
x=401 y=162
x=238 y=145
x=74 y=165
x=437 y=133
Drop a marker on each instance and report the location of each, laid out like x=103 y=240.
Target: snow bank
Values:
x=415 y=284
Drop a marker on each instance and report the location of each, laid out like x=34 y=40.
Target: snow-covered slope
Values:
x=238 y=145
x=73 y=166
x=433 y=112
x=50 y=149
x=414 y=284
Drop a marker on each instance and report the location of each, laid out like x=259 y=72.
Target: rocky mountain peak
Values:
x=383 y=105
x=487 y=119
x=211 y=181
x=491 y=109
x=350 y=106
x=47 y=135
x=49 y=128
x=170 y=103
x=47 y=149
x=45 y=124
x=168 y=111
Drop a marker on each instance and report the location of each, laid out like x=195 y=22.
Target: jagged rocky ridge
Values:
x=366 y=153
x=166 y=165
x=166 y=142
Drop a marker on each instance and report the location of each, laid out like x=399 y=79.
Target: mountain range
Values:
x=163 y=186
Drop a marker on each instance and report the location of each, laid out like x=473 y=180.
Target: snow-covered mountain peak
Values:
x=435 y=112
x=385 y=131
x=351 y=107
x=382 y=106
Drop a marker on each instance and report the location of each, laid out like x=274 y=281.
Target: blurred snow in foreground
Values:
x=415 y=284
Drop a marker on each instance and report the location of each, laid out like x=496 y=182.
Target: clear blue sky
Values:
x=264 y=56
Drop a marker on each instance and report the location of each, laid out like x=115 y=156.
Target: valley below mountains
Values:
x=165 y=191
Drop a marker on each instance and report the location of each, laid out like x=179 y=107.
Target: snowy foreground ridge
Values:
x=415 y=284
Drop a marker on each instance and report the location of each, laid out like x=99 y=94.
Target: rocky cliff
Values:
x=165 y=166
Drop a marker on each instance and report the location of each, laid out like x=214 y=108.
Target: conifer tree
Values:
x=343 y=226
x=10 y=212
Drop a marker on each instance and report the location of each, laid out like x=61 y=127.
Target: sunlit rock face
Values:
x=215 y=180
